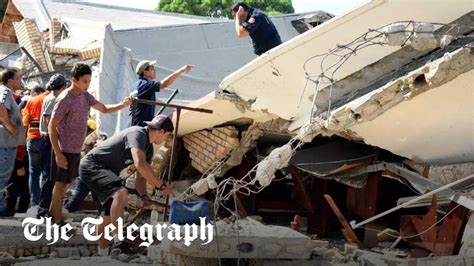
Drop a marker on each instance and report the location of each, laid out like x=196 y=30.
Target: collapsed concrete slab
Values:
x=440 y=89
x=276 y=81
x=225 y=107
x=245 y=238
x=13 y=241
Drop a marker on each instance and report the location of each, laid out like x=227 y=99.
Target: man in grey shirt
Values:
x=103 y=168
x=12 y=132
x=57 y=84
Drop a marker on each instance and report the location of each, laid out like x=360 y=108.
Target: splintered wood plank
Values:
x=347 y=231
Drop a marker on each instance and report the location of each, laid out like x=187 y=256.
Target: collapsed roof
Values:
x=284 y=82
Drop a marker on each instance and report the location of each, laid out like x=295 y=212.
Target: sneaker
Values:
x=71 y=232
x=42 y=212
x=32 y=211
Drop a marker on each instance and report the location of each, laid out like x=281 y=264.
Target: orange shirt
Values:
x=32 y=115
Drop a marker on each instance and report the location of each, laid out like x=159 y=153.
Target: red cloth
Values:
x=20 y=152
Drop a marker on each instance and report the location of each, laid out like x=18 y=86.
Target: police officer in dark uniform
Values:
x=253 y=22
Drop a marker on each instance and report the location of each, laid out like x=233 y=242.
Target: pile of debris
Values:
x=372 y=165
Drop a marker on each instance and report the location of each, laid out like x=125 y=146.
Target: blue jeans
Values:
x=39 y=154
x=7 y=162
x=80 y=192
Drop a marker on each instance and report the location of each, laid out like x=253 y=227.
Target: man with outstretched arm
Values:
x=146 y=87
x=67 y=130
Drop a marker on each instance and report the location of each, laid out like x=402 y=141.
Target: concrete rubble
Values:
x=245 y=238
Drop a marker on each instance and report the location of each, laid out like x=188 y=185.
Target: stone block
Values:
x=248 y=238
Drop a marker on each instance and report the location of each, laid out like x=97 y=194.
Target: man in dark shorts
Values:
x=101 y=168
x=256 y=24
x=67 y=131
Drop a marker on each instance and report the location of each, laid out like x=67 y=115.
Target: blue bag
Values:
x=188 y=212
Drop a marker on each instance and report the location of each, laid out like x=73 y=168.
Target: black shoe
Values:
x=122 y=246
x=42 y=212
x=6 y=214
x=73 y=230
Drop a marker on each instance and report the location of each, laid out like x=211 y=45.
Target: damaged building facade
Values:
x=352 y=142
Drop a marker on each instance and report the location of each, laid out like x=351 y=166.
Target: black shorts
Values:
x=102 y=182
x=105 y=208
x=66 y=175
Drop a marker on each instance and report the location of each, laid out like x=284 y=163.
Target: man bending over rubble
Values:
x=100 y=170
x=67 y=130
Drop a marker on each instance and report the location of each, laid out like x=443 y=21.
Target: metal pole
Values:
x=202 y=110
x=172 y=157
x=167 y=101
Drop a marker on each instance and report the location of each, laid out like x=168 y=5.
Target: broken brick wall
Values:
x=7 y=32
x=206 y=147
x=55 y=31
x=29 y=38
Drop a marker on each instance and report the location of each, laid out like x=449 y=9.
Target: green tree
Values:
x=221 y=8
x=190 y=7
x=3 y=8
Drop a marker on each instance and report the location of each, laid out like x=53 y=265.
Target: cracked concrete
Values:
x=246 y=238
x=431 y=76
x=441 y=89
x=388 y=68
x=249 y=140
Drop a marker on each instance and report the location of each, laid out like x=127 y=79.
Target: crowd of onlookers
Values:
x=43 y=131
x=42 y=137
x=27 y=161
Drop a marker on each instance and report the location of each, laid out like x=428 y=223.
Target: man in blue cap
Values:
x=146 y=87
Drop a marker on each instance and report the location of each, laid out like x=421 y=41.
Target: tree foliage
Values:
x=221 y=8
x=3 y=8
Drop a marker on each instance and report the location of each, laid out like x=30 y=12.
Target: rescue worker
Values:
x=256 y=24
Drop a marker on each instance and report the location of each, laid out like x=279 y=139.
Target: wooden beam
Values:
x=347 y=231
x=426 y=171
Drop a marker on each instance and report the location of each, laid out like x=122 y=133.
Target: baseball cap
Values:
x=142 y=65
x=161 y=122
x=56 y=81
